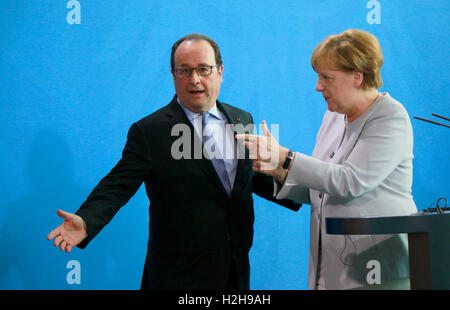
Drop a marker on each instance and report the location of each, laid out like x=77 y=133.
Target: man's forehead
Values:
x=199 y=52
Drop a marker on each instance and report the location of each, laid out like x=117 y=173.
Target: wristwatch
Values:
x=288 y=159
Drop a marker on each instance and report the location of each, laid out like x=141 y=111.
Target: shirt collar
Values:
x=191 y=115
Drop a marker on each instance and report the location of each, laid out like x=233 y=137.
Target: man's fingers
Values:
x=58 y=240
x=53 y=234
x=61 y=235
x=62 y=246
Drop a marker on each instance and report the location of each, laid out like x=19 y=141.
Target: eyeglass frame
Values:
x=196 y=69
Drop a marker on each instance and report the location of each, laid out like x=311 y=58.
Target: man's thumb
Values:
x=63 y=214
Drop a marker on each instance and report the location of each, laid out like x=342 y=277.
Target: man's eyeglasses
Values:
x=185 y=72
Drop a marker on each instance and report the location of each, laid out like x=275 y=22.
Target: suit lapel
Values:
x=177 y=116
x=234 y=118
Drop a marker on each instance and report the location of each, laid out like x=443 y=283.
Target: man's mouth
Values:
x=196 y=92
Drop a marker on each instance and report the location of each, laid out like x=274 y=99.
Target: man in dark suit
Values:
x=201 y=207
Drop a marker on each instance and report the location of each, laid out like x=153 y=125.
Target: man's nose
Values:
x=195 y=77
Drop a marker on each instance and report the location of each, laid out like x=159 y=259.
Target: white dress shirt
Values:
x=222 y=134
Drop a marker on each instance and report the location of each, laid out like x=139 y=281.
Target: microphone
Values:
x=433 y=122
x=438 y=209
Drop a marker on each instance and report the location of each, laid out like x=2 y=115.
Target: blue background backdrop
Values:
x=69 y=92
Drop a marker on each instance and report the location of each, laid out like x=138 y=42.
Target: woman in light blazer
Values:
x=361 y=166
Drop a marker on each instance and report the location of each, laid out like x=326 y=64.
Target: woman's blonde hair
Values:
x=352 y=50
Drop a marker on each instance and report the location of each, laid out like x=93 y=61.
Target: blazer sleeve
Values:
x=384 y=143
x=118 y=186
x=291 y=190
x=263 y=186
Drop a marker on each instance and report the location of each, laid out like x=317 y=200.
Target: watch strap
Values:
x=288 y=159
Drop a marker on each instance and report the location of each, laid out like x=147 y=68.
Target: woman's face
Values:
x=338 y=88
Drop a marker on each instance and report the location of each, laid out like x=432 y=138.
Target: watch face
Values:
x=288 y=160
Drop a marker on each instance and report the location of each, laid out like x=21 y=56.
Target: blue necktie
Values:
x=218 y=163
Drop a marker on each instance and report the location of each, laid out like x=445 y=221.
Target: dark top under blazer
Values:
x=195 y=228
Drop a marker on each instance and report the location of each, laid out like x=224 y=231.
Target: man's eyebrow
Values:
x=199 y=65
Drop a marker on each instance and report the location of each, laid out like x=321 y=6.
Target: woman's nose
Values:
x=319 y=86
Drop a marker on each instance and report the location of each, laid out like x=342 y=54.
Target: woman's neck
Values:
x=364 y=101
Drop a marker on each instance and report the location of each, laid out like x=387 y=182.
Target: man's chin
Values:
x=198 y=106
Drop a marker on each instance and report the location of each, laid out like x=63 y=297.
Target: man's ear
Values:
x=220 y=72
x=173 y=74
x=358 y=78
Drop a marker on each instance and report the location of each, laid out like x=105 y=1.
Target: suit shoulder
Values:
x=235 y=109
x=242 y=115
x=390 y=107
x=153 y=118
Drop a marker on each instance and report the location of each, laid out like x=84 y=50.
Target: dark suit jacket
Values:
x=196 y=229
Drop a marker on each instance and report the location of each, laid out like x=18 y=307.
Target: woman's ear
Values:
x=358 y=78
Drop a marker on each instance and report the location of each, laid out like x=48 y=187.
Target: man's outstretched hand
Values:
x=70 y=233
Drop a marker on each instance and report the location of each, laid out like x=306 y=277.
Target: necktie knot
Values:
x=205 y=118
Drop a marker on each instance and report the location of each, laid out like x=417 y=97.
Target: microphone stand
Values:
x=433 y=122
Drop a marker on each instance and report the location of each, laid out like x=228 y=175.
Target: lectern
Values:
x=428 y=243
